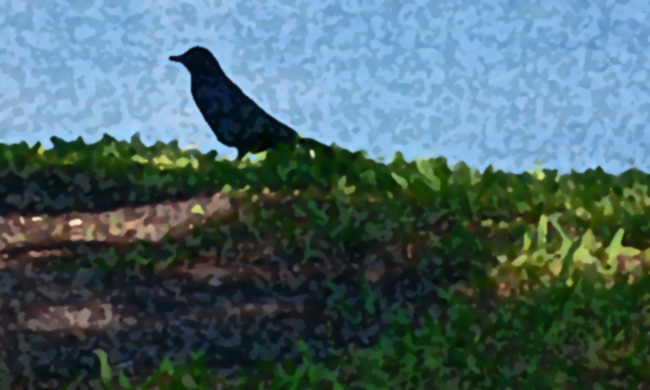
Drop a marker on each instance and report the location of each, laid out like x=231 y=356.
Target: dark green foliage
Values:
x=449 y=230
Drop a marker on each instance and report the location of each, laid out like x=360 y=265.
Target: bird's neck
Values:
x=210 y=79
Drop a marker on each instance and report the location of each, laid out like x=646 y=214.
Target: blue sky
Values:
x=486 y=82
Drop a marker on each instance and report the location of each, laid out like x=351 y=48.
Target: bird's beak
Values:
x=175 y=58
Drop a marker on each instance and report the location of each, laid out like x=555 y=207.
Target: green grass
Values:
x=580 y=240
x=559 y=337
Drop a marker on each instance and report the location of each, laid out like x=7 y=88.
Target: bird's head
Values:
x=197 y=58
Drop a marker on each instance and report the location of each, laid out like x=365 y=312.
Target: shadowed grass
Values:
x=538 y=280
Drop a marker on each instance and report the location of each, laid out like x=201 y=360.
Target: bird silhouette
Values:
x=235 y=119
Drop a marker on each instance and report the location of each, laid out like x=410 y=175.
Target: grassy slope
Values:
x=565 y=255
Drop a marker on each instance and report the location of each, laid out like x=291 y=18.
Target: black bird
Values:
x=235 y=119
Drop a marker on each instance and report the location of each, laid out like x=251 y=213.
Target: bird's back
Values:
x=235 y=118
